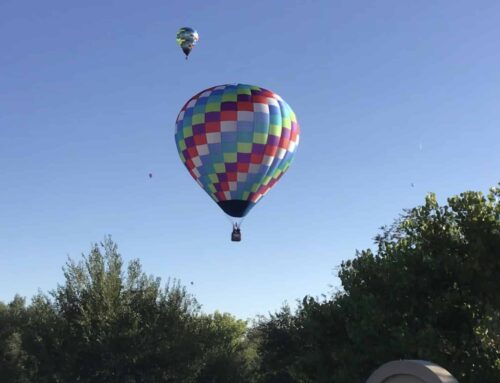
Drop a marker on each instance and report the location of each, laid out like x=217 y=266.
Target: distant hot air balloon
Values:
x=187 y=39
x=236 y=142
x=150 y=175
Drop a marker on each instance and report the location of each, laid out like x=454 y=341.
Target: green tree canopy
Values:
x=428 y=291
x=105 y=324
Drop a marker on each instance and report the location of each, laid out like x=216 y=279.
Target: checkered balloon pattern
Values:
x=236 y=141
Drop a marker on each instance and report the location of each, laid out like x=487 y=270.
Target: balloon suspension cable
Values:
x=235 y=221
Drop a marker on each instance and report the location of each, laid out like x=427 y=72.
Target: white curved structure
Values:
x=411 y=371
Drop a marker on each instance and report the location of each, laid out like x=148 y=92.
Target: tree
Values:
x=107 y=325
x=278 y=345
x=102 y=325
x=124 y=328
x=13 y=357
x=429 y=291
x=228 y=353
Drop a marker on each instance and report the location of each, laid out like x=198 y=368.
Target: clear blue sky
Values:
x=387 y=94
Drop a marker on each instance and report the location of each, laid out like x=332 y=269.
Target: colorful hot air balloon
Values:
x=187 y=39
x=236 y=142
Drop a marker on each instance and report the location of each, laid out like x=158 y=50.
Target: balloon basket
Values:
x=236 y=235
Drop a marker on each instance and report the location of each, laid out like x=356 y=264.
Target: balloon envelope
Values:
x=187 y=39
x=236 y=142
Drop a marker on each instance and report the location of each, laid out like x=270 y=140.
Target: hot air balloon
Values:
x=187 y=39
x=236 y=141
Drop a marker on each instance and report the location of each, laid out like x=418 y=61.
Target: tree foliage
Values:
x=429 y=290
x=107 y=325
